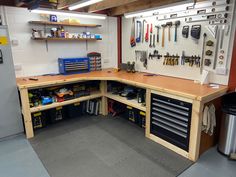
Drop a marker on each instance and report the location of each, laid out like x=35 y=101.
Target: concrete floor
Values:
x=22 y=161
x=18 y=159
x=212 y=164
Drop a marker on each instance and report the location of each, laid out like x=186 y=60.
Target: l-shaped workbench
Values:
x=179 y=89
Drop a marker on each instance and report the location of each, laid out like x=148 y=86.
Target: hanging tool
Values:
x=185 y=31
x=203 y=51
x=196 y=31
x=177 y=23
x=154 y=41
x=158 y=30
x=151 y=30
x=213 y=30
x=138 y=31
x=143 y=32
x=169 y=24
x=147 y=33
x=183 y=58
x=222 y=36
x=163 y=34
x=150 y=45
x=132 y=37
x=209 y=43
x=216 y=48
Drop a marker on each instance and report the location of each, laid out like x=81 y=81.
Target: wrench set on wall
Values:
x=215 y=13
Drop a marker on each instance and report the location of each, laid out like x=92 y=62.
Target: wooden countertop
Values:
x=175 y=86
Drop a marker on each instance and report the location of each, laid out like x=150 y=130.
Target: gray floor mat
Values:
x=97 y=146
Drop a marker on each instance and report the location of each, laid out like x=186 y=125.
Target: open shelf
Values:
x=64 y=39
x=133 y=103
x=76 y=100
x=64 y=24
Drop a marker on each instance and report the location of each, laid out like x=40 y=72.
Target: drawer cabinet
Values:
x=171 y=120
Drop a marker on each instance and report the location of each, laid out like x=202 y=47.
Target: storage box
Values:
x=39 y=120
x=142 y=119
x=73 y=110
x=132 y=114
x=56 y=114
x=73 y=65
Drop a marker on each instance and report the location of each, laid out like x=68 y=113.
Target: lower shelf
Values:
x=133 y=103
x=54 y=105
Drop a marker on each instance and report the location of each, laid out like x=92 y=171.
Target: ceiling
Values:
x=109 y=7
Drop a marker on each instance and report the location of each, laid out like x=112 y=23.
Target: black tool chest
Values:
x=171 y=120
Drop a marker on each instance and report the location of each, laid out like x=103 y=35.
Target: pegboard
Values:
x=189 y=45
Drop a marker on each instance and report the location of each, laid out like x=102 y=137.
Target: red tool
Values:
x=151 y=29
x=132 y=36
x=147 y=33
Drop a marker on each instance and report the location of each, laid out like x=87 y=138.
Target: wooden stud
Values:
x=103 y=88
x=26 y=113
x=148 y=113
x=139 y=5
x=107 y=4
x=195 y=130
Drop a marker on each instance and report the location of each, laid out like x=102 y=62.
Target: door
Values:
x=10 y=114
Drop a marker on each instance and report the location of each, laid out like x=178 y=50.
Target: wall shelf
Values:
x=133 y=103
x=65 y=39
x=76 y=100
x=64 y=24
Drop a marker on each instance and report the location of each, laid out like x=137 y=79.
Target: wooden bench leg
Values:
x=26 y=113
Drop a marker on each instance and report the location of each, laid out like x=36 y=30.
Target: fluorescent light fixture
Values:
x=83 y=3
x=69 y=13
x=175 y=7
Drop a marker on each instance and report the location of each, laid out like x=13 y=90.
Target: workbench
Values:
x=181 y=89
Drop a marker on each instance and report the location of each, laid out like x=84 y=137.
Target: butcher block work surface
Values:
x=171 y=85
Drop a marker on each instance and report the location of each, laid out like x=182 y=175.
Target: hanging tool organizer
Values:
x=183 y=43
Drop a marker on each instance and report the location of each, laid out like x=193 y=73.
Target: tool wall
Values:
x=185 y=44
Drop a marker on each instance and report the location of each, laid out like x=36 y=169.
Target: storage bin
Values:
x=56 y=114
x=142 y=119
x=73 y=110
x=132 y=114
x=39 y=120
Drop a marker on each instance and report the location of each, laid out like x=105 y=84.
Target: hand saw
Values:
x=132 y=36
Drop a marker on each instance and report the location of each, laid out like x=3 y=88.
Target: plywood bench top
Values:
x=171 y=85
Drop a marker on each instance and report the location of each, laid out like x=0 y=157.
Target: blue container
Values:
x=73 y=65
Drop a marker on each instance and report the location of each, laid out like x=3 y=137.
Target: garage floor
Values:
x=107 y=147
x=101 y=147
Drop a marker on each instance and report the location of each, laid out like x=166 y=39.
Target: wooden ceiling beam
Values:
x=140 y=5
x=107 y=4
x=62 y=4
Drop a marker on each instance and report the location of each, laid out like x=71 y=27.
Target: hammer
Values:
x=163 y=34
x=169 y=24
x=157 y=27
x=177 y=23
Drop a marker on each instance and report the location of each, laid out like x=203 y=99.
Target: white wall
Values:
x=188 y=45
x=32 y=55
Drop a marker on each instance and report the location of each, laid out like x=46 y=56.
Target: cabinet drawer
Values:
x=171 y=120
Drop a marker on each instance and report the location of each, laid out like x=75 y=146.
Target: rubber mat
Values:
x=108 y=147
